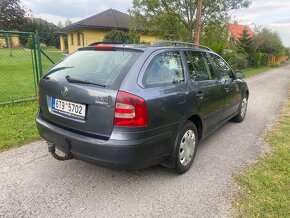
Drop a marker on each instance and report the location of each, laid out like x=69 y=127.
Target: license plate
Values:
x=68 y=107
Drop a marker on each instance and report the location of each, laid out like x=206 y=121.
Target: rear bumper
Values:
x=126 y=154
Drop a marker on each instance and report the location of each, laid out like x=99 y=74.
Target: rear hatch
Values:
x=79 y=92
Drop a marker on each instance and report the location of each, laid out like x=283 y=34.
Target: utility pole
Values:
x=198 y=22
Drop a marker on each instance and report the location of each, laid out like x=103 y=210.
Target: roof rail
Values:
x=106 y=43
x=162 y=42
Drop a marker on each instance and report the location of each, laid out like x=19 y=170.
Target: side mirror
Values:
x=239 y=75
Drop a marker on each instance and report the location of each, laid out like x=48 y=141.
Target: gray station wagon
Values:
x=135 y=106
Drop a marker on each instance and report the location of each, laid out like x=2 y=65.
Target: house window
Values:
x=72 y=38
x=79 y=39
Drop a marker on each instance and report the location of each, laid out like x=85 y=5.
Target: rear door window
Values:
x=165 y=68
x=100 y=67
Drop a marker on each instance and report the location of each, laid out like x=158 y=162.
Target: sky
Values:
x=274 y=14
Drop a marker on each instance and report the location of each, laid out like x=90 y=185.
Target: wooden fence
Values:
x=277 y=59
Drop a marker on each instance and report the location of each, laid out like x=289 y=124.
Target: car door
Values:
x=165 y=89
x=205 y=87
x=231 y=88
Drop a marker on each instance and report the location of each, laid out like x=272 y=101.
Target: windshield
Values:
x=99 y=67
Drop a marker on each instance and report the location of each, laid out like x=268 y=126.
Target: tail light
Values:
x=104 y=47
x=130 y=110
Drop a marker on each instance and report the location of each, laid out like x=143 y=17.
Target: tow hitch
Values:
x=51 y=149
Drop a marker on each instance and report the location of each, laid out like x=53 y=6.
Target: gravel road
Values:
x=33 y=184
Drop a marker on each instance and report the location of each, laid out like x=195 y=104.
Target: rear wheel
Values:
x=242 y=111
x=186 y=147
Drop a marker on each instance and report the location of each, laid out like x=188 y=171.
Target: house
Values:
x=94 y=28
x=10 y=40
x=236 y=31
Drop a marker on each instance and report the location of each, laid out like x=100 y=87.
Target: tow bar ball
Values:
x=51 y=149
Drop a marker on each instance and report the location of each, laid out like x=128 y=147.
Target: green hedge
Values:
x=242 y=61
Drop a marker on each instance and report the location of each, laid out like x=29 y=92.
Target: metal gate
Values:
x=20 y=66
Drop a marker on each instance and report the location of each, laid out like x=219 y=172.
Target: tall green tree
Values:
x=175 y=19
x=11 y=14
x=46 y=31
x=215 y=36
x=245 y=42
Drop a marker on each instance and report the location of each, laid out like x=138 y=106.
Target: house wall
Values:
x=62 y=42
x=2 y=42
x=87 y=37
x=14 y=41
x=90 y=36
x=72 y=40
x=148 y=38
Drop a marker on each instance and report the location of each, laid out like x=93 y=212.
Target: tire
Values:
x=242 y=111
x=186 y=147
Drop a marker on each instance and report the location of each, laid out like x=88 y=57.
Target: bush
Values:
x=258 y=59
x=43 y=45
x=236 y=60
x=116 y=36
x=241 y=61
x=29 y=44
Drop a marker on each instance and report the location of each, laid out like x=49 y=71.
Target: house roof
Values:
x=109 y=19
x=236 y=30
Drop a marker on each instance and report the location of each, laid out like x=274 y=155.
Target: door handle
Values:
x=199 y=94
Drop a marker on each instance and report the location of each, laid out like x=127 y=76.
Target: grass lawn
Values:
x=266 y=184
x=253 y=71
x=17 y=124
x=16 y=72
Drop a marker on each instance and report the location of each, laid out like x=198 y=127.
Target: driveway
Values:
x=33 y=184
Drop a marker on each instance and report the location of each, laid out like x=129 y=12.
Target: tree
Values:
x=116 y=36
x=198 y=22
x=67 y=22
x=11 y=14
x=267 y=41
x=59 y=24
x=215 y=36
x=175 y=19
x=245 y=42
x=287 y=52
x=46 y=31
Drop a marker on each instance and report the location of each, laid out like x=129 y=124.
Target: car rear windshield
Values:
x=95 y=66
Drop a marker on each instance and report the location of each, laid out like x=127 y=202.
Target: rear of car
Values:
x=133 y=107
x=83 y=112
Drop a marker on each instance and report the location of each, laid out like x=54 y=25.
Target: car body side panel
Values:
x=211 y=104
x=232 y=89
x=232 y=93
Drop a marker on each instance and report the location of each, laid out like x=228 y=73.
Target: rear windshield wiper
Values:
x=73 y=80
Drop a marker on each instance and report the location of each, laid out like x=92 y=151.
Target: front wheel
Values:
x=186 y=147
x=242 y=111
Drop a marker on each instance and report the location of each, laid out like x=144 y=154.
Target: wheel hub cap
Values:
x=187 y=147
x=244 y=107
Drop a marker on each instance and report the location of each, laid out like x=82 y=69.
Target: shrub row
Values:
x=243 y=61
